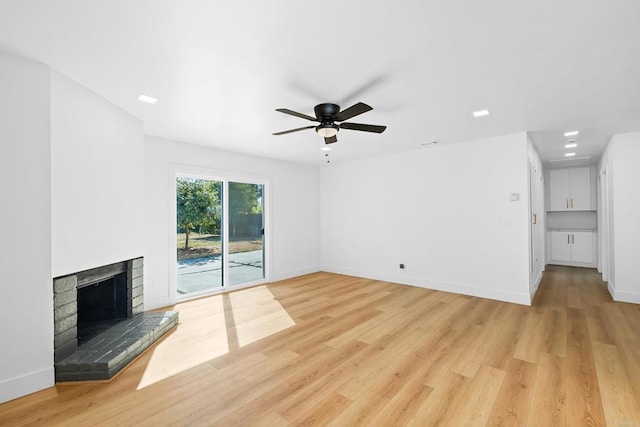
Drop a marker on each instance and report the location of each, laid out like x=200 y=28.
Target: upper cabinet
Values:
x=570 y=189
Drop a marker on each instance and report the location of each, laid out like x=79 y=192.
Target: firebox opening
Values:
x=101 y=305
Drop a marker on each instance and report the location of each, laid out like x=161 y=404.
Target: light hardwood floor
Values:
x=332 y=350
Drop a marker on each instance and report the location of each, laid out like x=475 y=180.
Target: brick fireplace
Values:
x=99 y=321
x=69 y=290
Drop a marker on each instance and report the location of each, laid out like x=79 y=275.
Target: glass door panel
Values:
x=199 y=242
x=246 y=233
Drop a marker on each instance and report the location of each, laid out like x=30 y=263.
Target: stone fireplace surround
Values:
x=102 y=356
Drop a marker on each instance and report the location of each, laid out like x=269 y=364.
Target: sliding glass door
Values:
x=246 y=233
x=219 y=234
x=199 y=243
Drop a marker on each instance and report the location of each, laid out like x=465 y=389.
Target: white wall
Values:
x=538 y=230
x=624 y=156
x=97 y=180
x=26 y=317
x=443 y=211
x=294 y=206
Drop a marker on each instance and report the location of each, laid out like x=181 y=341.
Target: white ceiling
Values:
x=220 y=68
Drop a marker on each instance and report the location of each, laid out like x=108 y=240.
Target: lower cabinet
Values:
x=573 y=247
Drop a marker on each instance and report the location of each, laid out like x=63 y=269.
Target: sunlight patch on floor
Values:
x=239 y=318
x=196 y=340
x=259 y=316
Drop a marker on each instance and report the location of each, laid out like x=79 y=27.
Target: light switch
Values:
x=514 y=197
x=504 y=222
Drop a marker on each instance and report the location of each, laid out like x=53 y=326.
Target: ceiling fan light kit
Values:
x=327 y=130
x=327 y=115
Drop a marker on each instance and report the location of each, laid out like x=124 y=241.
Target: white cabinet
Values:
x=560 y=246
x=582 y=246
x=573 y=247
x=570 y=189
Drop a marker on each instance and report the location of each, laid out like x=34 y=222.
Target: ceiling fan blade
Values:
x=293 y=130
x=295 y=113
x=352 y=111
x=331 y=140
x=362 y=127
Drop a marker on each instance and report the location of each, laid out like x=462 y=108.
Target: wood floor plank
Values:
x=401 y=408
x=486 y=386
x=324 y=412
x=620 y=403
x=598 y=330
x=442 y=402
x=631 y=314
x=376 y=367
x=308 y=374
x=327 y=349
x=295 y=405
x=575 y=297
x=556 y=332
x=501 y=353
x=584 y=400
x=514 y=397
x=531 y=337
x=482 y=340
x=416 y=365
x=360 y=412
x=549 y=396
x=577 y=328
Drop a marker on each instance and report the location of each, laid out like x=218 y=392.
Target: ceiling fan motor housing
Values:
x=326 y=112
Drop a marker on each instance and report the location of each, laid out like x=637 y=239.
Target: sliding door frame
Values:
x=224 y=176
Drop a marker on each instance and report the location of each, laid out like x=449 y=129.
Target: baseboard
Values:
x=165 y=301
x=26 y=384
x=536 y=285
x=294 y=273
x=612 y=290
x=456 y=288
x=623 y=296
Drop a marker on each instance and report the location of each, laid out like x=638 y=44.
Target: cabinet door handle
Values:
x=568 y=241
x=572 y=203
x=573 y=239
x=567 y=200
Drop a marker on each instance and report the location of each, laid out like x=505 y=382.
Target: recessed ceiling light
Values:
x=148 y=99
x=574 y=145
x=572 y=133
x=326 y=148
x=481 y=113
x=569 y=154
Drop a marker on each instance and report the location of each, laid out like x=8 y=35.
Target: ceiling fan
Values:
x=327 y=115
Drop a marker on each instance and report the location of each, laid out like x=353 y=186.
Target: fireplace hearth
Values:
x=99 y=321
x=83 y=302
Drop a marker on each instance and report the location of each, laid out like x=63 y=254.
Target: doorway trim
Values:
x=225 y=176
